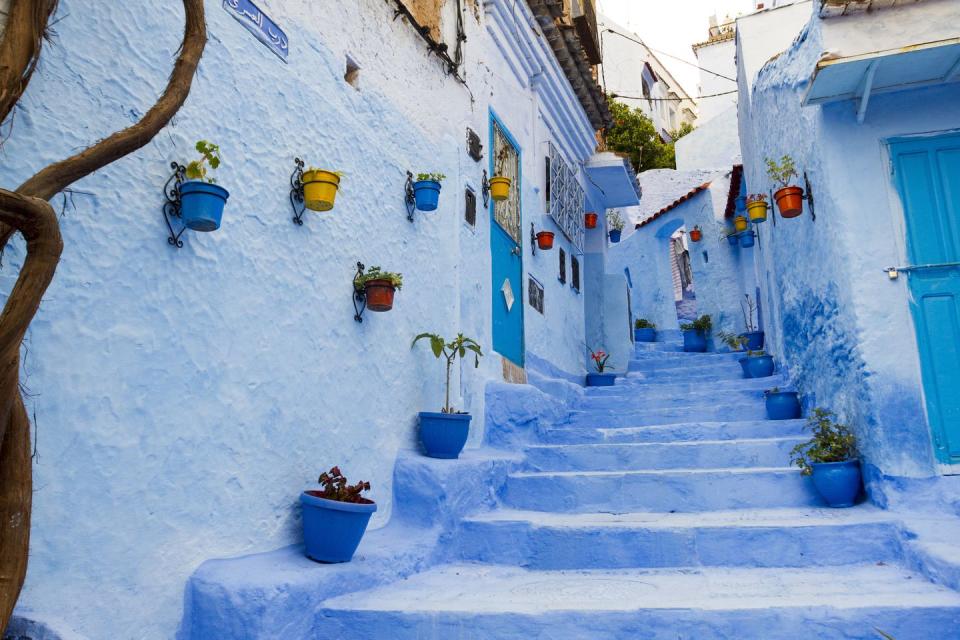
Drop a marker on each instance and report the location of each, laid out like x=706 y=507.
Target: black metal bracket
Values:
x=297 y=201
x=486 y=189
x=171 y=208
x=808 y=196
x=359 y=295
x=409 y=199
x=533 y=240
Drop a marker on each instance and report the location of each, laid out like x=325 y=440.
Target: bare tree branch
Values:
x=20 y=48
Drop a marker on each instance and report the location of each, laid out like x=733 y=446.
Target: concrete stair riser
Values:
x=747 y=411
x=635 y=386
x=648 y=400
x=688 y=431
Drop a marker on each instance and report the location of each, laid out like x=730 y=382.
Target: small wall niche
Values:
x=352 y=73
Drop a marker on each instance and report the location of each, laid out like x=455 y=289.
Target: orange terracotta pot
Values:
x=379 y=295
x=789 y=201
x=696 y=235
x=545 y=240
x=590 y=220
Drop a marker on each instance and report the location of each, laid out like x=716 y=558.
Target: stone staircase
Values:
x=663 y=507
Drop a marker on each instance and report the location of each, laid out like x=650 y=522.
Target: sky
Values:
x=672 y=26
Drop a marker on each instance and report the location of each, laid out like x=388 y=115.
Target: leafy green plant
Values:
x=635 y=135
x=643 y=323
x=339 y=174
x=375 y=273
x=615 y=220
x=209 y=155
x=336 y=487
x=831 y=442
x=732 y=340
x=599 y=359
x=435 y=177
x=781 y=172
x=457 y=347
x=704 y=323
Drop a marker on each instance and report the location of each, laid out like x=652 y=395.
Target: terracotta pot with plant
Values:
x=335 y=518
x=379 y=287
x=545 y=240
x=789 y=197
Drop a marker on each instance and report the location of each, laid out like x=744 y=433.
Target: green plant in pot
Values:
x=733 y=341
x=831 y=459
x=644 y=330
x=615 y=223
x=695 y=334
x=602 y=378
x=335 y=517
x=201 y=200
x=426 y=190
x=444 y=434
x=789 y=197
x=379 y=287
x=757 y=364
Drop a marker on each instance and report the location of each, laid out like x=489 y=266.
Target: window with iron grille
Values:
x=507 y=164
x=535 y=294
x=575 y=273
x=565 y=198
x=563 y=266
x=470 y=207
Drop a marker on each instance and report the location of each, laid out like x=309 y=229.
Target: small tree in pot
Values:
x=831 y=458
x=335 y=519
x=753 y=337
x=616 y=224
x=444 y=434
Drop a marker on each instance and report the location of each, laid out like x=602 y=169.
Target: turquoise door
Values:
x=506 y=247
x=927 y=172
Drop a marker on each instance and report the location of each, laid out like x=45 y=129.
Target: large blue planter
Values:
x=746 y=239
x=615 y=236
x=694 y=341
x=444 y=434
x=201 y=205
x=645 y=335
x=838 y=482
x=754 y=340
x=332 y=530
x=601 y=379
x=783 y=405
x=427 y=194
x=760 y=366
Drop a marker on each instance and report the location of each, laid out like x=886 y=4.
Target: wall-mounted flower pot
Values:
x=837 y=482
x=754 y=340
x=747 y=239
x=545 y=240
x=694 y=341
x=332 y=530
x=590 y=220
x=783 y=405
x=379 y=295
x=647 y=334
x=740 y=223
x=789 y=201
x=733 y=240
x=601 y=379
x=615 y=236
x=444 y=434
x=320 y=189
x=201 y=205
x=757 y=211
x=760 y=366
x=696 y=235
x=427 y=194
x=499 y=188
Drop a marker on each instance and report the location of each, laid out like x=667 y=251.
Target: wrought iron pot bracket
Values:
x=807 y=195
x=171 y=207
x=533 y=240
x=297 y=200
x=409 y=199
x=486 y=189
x=359 y=295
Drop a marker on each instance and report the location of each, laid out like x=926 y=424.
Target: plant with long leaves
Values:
x=831 y=442
x=456 y=348
x=599 y=358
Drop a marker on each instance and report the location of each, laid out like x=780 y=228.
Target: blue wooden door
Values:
x=927 y=173
x=506 y=247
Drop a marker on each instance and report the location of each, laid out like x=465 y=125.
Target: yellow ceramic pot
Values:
x=499 y=188
x=740 y=223
x=320 y=189
x=757 y=211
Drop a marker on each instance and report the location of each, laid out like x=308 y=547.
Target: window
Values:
x=646 y=88
x=507 y=164
x=535 y=294
x=546 y=189
x=566 y=199
x=563 y=266
x=470 y=207
x=575 y=273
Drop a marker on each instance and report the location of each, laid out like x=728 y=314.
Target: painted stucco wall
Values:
x=183 y=398
x=720 y=59
x=712 y=145
x=843 y=329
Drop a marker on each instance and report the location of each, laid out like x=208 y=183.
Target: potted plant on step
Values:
x=499 y=183
x=644 y=331
x=831 y=459
x=379 y=287
x=590 y=220
x=757 y=364
x=320 y=188
x=601 y=378
x=426 y=190
x=545 y=240
x=755 y=338
x=782 y=405
x=789 y=197
x=733 y=341
x=444 y=434
x=201 y=200
x=757 y=207
x=335 y=518
x=695 y=334
x=615 y=222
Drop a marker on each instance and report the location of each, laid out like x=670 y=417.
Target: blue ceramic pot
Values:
x=783 y=405
x=615 y=236
x=733 y=240
x=760 y=366
x=601 y=379
x=332 y=530
x=745 y=366
x=645 y=335
x=694 y=341
x=838 y=482
x=754 y=340
x=201 y=205
x=427 y=194
x=444 y=434
x=746 y=239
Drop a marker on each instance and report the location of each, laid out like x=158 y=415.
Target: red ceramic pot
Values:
x=696 y=235
x=545 y=240
x=789 y=201
x=379 y=295
x=590 y=220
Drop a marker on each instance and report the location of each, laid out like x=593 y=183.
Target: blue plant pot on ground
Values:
x=760 y=366
x=201 y=205
x=615 y=236
x=754 y=340
x=694 y=341
x=332 y=530
x=427 y=194
x=837 y=482
x=601 y=379
x=444 y=434
x=746 y=239
x=783 y=405
x=645 y=335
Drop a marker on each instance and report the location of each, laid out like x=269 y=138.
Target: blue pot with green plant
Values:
x=335 y=518
x=616 y=224
x=830 y=458
x=444 y=434
x=644 y=331
x=426 y=191
x=602 y=377
x=695 y=334
x=759 y=364
x=201 y=201
x=782 y=405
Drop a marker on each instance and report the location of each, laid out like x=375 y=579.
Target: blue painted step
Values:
x=753 y=410
x=718 y=430
x=632 y=385
x=643 y=399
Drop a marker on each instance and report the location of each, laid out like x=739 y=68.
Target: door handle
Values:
x=516 y=250
x=894 y=272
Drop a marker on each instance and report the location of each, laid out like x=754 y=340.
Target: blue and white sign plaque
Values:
x=260 y=25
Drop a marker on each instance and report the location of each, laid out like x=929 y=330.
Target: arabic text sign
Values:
x=260 y=25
